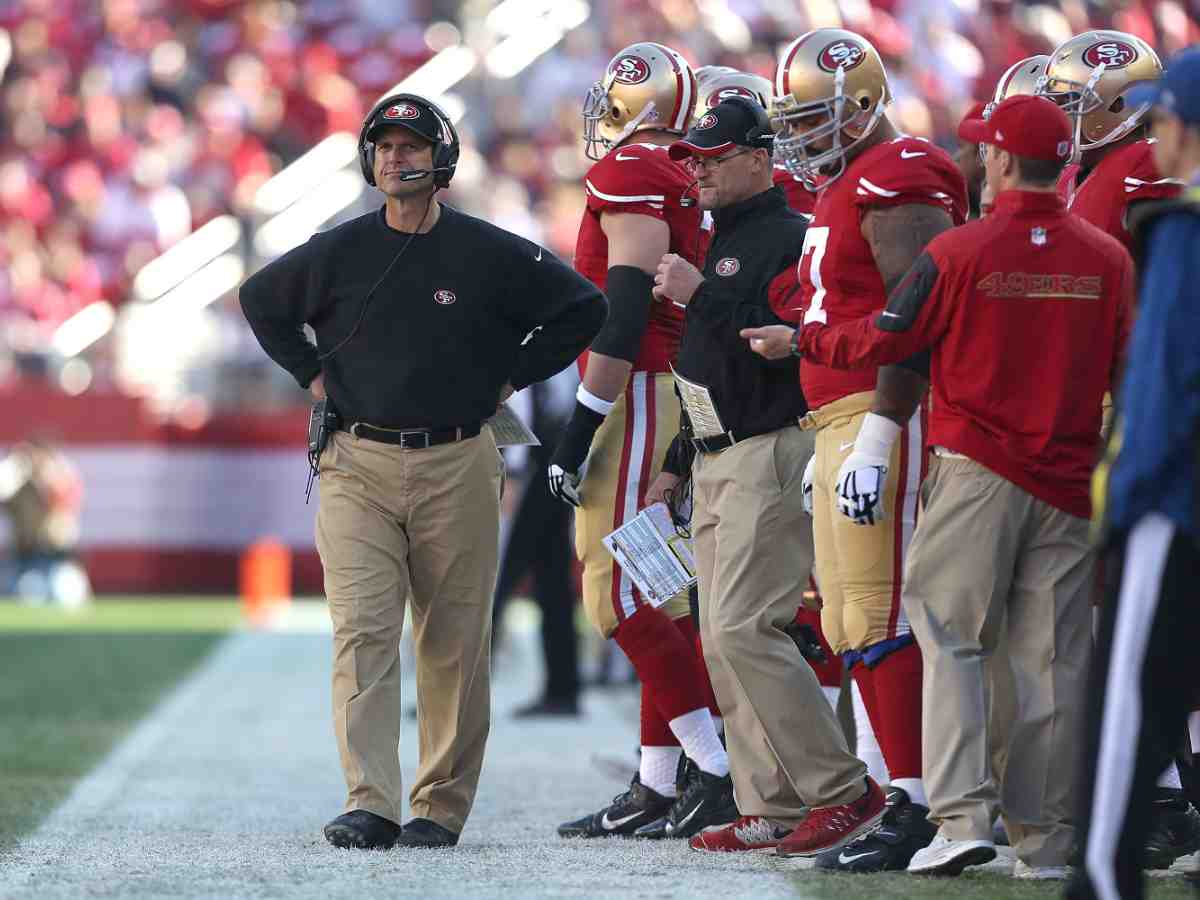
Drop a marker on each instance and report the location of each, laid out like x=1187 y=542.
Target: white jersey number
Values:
x=816 y=240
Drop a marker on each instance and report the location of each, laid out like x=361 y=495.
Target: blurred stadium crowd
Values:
x=125 y=125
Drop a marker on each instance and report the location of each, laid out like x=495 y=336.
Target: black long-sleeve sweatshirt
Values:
x=750 y=271
x=441 y=334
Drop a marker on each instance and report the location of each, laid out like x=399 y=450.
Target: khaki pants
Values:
x=988 y=555
x=858 y=566
x=418 y=529
x=626 y=456
x=754 y=553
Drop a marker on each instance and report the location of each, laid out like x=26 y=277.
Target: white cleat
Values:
x=1027 y=872
x=947 y=857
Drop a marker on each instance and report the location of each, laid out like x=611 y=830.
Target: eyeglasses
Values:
x=700 y=164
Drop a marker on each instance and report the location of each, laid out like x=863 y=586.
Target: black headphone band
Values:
x=445 y=150
x=761 y=136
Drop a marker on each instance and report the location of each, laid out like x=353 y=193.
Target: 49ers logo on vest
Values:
x=1114 y=55
x=707 y=121
x=728 y=266
x=726 y=92
x=445 y=298
x=841 y=53
x=630 y=70
x=402 y=111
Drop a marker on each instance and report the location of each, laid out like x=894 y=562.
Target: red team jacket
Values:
x=641 y=179
x=1027 y=312
x=838 y=276
x=1123 y=177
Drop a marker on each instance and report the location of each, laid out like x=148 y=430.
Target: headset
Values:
x=760 y=136
x=445 y=153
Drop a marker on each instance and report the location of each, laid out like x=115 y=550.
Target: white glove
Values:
x=806 y=487
x=862 y=478
x=564 y=485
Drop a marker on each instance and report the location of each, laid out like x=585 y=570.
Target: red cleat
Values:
x=830 y=827
x=749 y=834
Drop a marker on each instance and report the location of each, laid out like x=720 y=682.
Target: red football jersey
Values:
x=643 y=180
x=1122 y=177
x=1027 y=313
x=838 y=276
x=799 y=198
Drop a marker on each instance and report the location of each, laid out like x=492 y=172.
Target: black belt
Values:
x=413 y=438
x=719 y=442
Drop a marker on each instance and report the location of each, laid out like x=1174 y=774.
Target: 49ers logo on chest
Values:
x=402 y=111
x=630 y=70
x=841 y=53
x=444 y=298
x=727 y=266
x=1114 y=55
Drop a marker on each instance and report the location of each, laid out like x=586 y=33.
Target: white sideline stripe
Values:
x=912 y=490
x=616 y=198
x=96 y=792
x=1145 y=559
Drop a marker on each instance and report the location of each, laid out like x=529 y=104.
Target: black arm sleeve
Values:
x=564 y=311
x=277 y=300
x=907 y=298
x=629 y=297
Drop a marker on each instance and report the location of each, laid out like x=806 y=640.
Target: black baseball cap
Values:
x=732 y=123
x=416 y=117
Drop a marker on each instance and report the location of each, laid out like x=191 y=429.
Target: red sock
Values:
x=892 y=694
x=687 y=627
x=667 y=666
x=655 y=730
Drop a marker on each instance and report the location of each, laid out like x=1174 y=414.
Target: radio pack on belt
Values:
x=323 y=420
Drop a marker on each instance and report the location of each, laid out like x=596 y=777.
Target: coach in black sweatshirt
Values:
x=425 y=320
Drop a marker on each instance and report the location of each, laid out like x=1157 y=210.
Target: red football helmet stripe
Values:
x=785 y=85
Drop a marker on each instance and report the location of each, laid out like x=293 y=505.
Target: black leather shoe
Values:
x=547 y=706
x=362 y=830
x=425 y=833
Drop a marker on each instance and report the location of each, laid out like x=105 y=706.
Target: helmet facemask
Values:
x=1078 y=100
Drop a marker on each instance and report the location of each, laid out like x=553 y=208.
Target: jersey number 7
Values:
x=816 y=240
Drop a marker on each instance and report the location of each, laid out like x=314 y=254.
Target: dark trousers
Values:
x=1142 y=689
x=538 y=544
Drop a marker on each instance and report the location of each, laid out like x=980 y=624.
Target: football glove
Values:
x=863 y=476
x=806 y=485
x=566 y=466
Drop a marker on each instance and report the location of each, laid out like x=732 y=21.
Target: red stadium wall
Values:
x=169 y=508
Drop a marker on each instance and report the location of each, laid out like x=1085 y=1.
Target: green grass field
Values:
x=73 y=683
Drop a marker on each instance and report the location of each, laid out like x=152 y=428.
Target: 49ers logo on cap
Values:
x=445 y=298
x=1114 y=54
x=841 y=53
x=402 y=111
x=707 y=121
x=732 y=91
x=728 y=266
x=630 y=70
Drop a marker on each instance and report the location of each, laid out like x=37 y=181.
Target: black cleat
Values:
x=903 y=831
x=425 y=833
x=705 y=801
x=629 y=811
x=362 y=830
x=1174 y=829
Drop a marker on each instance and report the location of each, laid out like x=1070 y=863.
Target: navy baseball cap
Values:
x=731 y=123
x=416 y=117
x=1178 y=91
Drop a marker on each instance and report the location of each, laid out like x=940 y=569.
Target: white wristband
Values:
x=596 y=404
x=876 y=436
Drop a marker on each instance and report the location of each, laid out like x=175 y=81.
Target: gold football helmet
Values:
x=1021 y=79
x=717 y=83
x=1088 y=76
x=645 y=86
x=835 y=75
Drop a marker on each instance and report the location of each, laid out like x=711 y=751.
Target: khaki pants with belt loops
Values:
x=411 y=529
